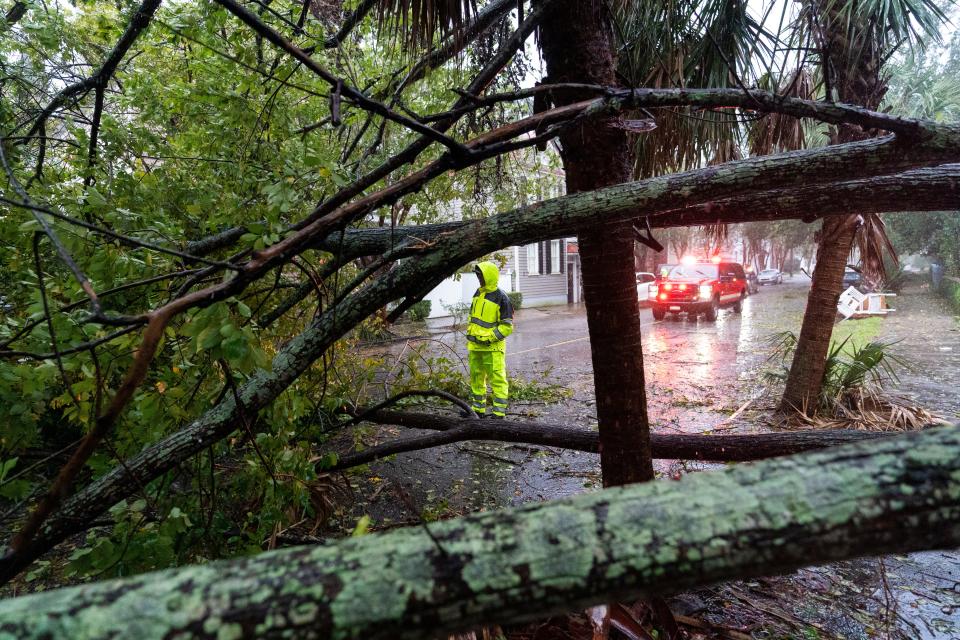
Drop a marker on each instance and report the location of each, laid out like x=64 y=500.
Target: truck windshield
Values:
x=693 y=271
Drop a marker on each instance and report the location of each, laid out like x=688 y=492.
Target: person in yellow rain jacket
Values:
x=491 y=321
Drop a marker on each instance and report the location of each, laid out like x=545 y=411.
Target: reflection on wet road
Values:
x=697 y=374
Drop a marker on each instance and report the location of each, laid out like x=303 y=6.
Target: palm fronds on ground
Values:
x=853 y=395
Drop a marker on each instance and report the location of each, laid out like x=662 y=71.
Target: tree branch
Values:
x=933 y=188
x=368 y=104
x=410 y=153
x=351 y=21
x=456 y=42
x=61 y=250
x=377 y=410
x=140 y=21
x=715 y=448
x=89 y=179
x=75 y=305
x=119 y=237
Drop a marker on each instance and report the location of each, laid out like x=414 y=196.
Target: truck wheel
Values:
x=712 y=310
x=658 y=314
x=738 y=307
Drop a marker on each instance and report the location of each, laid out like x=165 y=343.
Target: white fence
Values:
x=459 y=289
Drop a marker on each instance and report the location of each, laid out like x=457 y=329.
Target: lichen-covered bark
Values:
x=928 y=189
x=892 y=495
x=451 y=250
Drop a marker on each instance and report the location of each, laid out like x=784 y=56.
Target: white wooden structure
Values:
x=854 y=304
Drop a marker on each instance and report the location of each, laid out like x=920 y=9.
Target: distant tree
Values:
x=927 y=85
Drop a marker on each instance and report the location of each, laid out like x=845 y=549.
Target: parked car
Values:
x=770 y=276
x=852 y=278
x=753 y=282
x=644 y=278
x=699 y=287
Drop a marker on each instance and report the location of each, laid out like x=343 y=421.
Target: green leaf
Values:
x=16 y=489
x=209 y=338
x=29 y=226
x=6 y=467
x=327 y=460
x=363 y=526
x=234 y=349
x=95 y=198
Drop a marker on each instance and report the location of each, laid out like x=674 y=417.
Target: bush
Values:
x=458 y=311
x=516 y=299
x=950 y=289
x=419 y=311
x=850 y=367
x=896 y=277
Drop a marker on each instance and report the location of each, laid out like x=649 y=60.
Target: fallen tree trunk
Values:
x=720 y=448
x=897 y=494
x=935 y=187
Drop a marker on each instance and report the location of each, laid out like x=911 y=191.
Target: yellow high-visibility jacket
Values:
x=491 y=313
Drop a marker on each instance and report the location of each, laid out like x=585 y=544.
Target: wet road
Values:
x=698 y=373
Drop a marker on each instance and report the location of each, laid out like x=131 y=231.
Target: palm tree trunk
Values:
x=806 y=371
x=577 y=47
x=852 y=60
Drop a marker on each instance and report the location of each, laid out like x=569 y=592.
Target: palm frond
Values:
x=915 y=22
x=684 y=43
x=777 y=132
x=782 y=344
x=923 y=86
x=873 y=244
x=417 y=23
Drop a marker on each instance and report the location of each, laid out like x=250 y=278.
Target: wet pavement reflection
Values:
x=698 y=373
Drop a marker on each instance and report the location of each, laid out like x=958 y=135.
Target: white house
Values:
x=545 y=273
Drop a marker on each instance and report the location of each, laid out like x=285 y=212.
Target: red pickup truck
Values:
x=694 y=287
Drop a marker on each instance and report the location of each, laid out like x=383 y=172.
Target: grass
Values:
x=857 y=332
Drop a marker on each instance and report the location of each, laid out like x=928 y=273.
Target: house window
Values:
x=533 y=259
x=545 y=258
